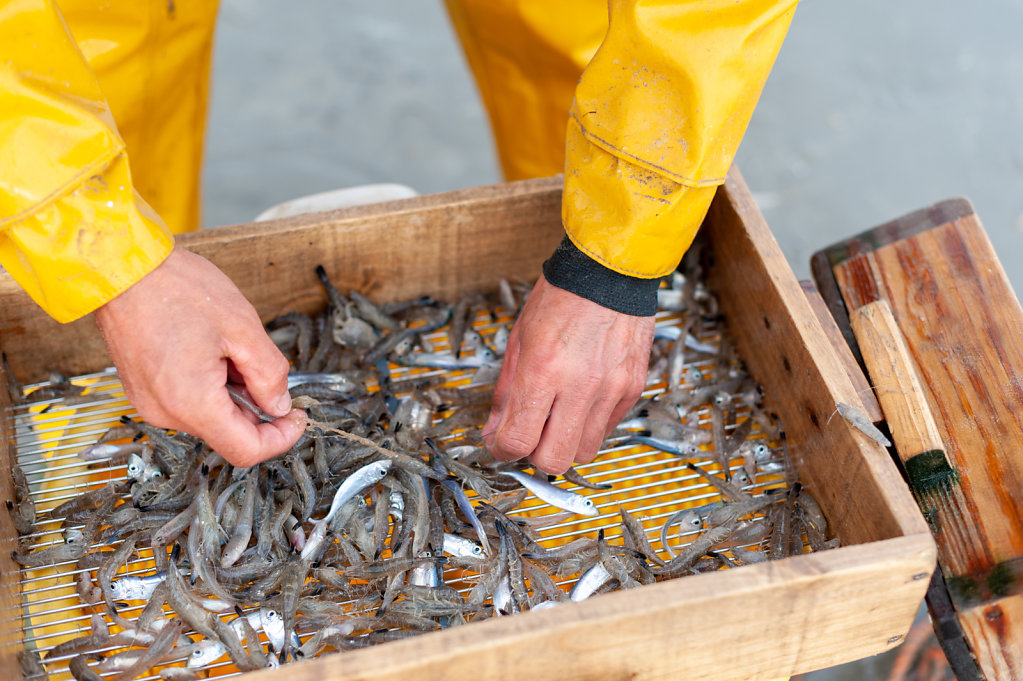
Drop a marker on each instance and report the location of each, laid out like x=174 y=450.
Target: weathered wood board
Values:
x=10 y=596
x=963 y=326
x=789 y=616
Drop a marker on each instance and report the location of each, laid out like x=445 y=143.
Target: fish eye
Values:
x=760 y=449
x=477 y=550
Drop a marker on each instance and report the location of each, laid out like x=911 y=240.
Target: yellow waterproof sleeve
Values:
x=73 y=232
x=658 y=115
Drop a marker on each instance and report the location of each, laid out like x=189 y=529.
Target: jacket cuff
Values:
x=574 y=271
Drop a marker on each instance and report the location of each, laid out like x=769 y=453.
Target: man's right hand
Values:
x=178 y=336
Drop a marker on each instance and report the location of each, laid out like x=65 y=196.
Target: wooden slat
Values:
x=787 y=351
x=709 y=627
x=896 y=380
x=964 y=329
x=10 y=597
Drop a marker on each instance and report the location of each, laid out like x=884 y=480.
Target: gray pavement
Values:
x=874 y=109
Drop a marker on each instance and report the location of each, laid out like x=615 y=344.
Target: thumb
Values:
x=263 y=370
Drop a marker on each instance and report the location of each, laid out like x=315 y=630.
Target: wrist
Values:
x=570 y=269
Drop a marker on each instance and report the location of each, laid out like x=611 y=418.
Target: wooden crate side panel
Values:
x=755 y=622
x=441 y=245
x=787 y=351
x=10 y=595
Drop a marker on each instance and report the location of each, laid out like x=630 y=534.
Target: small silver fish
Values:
x=461 y=547
x=554 y=495
x=355 y=483
x=273 y=626
x=205 y=653
x=135 y=587
x=141 y=470
x=591 y=580
x=445 y=360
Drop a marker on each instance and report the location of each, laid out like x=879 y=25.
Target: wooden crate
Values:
x=755 y=622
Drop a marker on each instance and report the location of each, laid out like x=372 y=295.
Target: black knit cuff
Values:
x=572 y=270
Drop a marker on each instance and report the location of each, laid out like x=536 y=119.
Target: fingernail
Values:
x=284 y=404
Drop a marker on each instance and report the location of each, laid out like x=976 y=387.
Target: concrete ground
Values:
x=874 y=109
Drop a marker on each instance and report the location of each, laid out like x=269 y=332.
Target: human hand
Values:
x=178 y=336
x=572 y=370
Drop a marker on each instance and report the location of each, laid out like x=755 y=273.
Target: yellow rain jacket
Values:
x=76 y=227
x=656 y=119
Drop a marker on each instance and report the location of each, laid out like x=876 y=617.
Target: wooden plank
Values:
x=871 y=409
x=439 y=245
x=823 y=262
x=897 y=384
x=787 y=351
x=10 y=595
x=677 y=629
x=964 y=329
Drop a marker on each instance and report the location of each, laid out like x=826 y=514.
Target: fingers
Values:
x=243 y=443
x=230 y=431
x=572 y=370
x=561 y=436
x=521 y=420
x=503 y=385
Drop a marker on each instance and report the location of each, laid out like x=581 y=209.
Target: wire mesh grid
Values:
x=650 y=484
